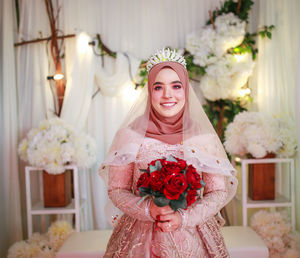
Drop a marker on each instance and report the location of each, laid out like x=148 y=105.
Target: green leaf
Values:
x=161 y=201
x=180 y=203
x=144 y=191
x=144 y=170
x=269 y=34
x=158 y=165
x=152 y=168
x=171 y=159
x=156 y=194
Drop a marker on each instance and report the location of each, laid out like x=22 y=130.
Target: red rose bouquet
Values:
x=171 y=182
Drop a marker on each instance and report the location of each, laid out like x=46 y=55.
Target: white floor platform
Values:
x=240 y=241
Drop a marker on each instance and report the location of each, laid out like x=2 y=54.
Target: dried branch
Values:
x=238 y=9
x=42 y=39
x=212 y=20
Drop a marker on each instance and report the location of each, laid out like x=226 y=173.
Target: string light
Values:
x=83 y=43
x=239 y=58
x=244 y=92
x=55 y=77
x=129 y=93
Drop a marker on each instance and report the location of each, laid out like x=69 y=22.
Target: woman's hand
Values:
x=156 y=211
x=165 y=218
x=169 y=222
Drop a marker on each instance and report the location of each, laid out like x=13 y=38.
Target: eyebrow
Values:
x=163 y=83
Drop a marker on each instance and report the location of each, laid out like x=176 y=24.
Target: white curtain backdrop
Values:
x=34 y=98
x=10 y=209
x=274 y=79
x=133 y=26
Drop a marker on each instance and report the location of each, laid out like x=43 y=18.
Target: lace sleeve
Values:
x=213 y=200
x=121 y=194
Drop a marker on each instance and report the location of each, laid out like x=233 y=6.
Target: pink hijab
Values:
x=167 y=129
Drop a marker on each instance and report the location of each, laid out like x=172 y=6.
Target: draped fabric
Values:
x=138 y=28
x=10 y=210
x=274 y=81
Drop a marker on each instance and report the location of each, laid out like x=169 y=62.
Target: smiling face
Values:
x=168 y=97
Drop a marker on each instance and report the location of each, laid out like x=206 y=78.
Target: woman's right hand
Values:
x=156 y=211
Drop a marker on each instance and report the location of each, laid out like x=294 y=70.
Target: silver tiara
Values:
x=165 y=55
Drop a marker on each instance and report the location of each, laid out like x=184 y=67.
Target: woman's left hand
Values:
x=169 y=222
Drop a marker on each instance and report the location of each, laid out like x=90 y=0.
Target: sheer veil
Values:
x=200 y=144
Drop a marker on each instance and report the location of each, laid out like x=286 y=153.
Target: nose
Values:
x=167 y=92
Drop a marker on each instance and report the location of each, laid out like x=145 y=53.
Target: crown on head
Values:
x=165 y=55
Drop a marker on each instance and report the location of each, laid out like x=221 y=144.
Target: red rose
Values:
x=175 y=184
x=193 y=178
x=170 y=167
x=191 y=197
x=144 y=180
x=157 y=180
x=181 y=163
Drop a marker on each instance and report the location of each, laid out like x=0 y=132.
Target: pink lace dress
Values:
x=135 y=234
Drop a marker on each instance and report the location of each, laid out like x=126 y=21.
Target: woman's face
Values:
x=168 y=96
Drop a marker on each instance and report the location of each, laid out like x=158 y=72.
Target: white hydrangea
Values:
x=274 y=229
x=201 y=45
x=45 y=245
x=226 y=73
x=55 y=144
x=287 y=134
x=231 y=32
x=225 y=78
x=209 y=45
x=258 y=135
x=58 y=232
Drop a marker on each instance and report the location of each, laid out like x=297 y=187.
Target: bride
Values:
x=168 y=119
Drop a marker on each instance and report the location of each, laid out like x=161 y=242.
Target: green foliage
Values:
x=266 y=31
x=230 y=6
x=248 y=44
x=143 y=75
x=193 y=69
x=181 y=203
x=231 y=108
x=161 y=201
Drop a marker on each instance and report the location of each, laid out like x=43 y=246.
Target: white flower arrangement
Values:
x=275 y=231
x=45 y=245
x=58 y=233
x=226 y=73
x=225 y=78
x=209 y=45
x=55 y=144
x=257 y=134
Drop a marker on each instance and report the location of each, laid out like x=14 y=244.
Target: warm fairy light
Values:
x=239 y=58
x=244 y=92
x=55 y=77
x=58 y=76
x=129 y=93
x=83 y=43
x=237 y=159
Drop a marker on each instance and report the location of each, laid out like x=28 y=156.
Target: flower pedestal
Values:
x=57 y=189
x=262 y=180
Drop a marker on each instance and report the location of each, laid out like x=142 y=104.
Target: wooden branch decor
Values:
x=238 y=9
x=42 y=39
x=57 y=188
x=55 y=52
x=212 y=20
